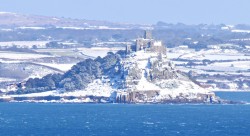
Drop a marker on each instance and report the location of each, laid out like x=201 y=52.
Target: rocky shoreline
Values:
x=119 y=100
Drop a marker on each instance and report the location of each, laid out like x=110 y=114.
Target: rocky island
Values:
x=140 y=74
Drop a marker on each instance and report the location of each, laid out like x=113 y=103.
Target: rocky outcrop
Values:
x=152 y=78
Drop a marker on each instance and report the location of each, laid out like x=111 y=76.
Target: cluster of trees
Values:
x=78 y=77
x=57 y=45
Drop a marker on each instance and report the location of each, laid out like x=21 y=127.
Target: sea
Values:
x=54 y=119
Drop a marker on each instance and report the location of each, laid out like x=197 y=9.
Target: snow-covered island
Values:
x=141 y=74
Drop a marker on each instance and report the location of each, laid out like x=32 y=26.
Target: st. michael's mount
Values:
x=140 y=74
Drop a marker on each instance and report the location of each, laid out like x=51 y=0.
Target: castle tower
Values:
x=148 y=34
x=138 y=45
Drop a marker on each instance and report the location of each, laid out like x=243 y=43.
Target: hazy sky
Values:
x=138 y=11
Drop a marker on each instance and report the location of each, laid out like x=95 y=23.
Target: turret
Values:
x=148 y=34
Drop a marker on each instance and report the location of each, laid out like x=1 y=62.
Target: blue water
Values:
x=26 y=119
x=235 y=96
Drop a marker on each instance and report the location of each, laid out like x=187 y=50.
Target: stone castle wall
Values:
x=147 y=43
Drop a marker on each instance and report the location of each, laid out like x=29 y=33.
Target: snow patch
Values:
x=240 y=31
x=34 y=28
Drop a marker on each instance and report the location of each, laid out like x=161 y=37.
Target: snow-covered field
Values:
x=81 y=52
x=213 y=53
x=20 y=56
x=62 y=67
x=14 y=62
x=7 y=79
x=223 y=64
x=97 y=51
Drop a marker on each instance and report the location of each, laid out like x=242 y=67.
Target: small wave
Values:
x=148 y=123
x=182 y=124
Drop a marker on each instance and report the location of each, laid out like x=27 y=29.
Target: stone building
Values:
x=147 y=43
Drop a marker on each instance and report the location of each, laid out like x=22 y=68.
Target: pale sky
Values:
x=138 y=11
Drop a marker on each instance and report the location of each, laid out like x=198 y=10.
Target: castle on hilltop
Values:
x=148 y=44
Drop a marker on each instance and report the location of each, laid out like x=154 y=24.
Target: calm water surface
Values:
x=26 y=119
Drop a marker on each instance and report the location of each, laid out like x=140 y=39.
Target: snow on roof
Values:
x=157 y=43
